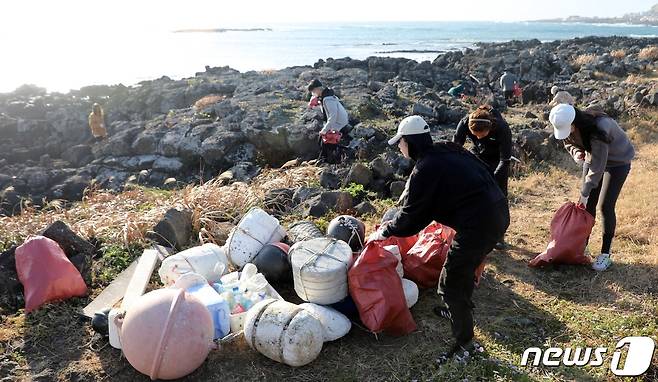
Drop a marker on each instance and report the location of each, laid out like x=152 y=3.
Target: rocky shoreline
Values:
x=166 y=132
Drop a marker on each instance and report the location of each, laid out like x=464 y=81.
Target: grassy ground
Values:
x=516 y=307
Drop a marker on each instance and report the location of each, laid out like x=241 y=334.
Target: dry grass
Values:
x=618 y=54
x=649 y=53
x=126 y=217
x=583 y=59
x=208 y=100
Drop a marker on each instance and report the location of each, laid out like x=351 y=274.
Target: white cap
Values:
x=554 y=90
x=561 y=117
x=410 y=126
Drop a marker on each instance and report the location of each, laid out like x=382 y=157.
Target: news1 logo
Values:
x=637 y=361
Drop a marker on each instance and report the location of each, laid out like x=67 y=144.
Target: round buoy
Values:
x=272 y=262
x=410 y=292
x=167 y=334
x=348 y=229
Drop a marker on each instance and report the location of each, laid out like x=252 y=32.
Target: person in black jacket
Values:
x=453 y=187
x=492 y=143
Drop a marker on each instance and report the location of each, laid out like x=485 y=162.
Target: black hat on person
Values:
x=314 y=84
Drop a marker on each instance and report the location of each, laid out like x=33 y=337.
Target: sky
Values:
x=62 y=43
x=27 y=18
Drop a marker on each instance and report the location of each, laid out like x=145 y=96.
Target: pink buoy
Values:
x=167 y=334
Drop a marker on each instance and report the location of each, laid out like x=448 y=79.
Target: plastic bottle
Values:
x=228 y=297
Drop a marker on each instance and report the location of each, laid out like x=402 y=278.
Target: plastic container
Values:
x=218 y=307
x=256 y=229
x=320 y=270
x=208 y=260
x=334 y=323
x=284 y=332
x=167 y=334
x=410 y=292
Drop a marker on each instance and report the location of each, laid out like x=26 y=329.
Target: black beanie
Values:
x=314 y=84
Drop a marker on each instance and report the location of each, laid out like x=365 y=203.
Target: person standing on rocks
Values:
x=335 y=118
x=507 y=82
x=599 y=144
x=492 y=143
x=450 y=185
x=561 y=97
x=97 y=123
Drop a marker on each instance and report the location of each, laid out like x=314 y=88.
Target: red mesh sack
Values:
x=376 y=289
x=570 y=228
x=46 y=273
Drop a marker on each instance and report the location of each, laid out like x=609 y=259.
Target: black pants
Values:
x=604 y=197
x=466 y=253
x=509 y=96
x=330 y=152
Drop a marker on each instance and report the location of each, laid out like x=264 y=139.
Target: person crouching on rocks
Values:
x=335 y=118
x=598 y=143
x=492 y=143
x=451 y=186
x=561 y=97
x=97 y=123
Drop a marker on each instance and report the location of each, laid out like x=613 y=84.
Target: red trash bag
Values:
x=376 y=289
x=46 y=273
x=331 y=138
x=570 y=228
x=424 y=261
x=518 y=92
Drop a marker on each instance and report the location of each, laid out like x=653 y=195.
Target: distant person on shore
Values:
x=598 y=143
x=492 y=143
x=507 y=82
x=335 y=118
x=97 y=123
x=561 y=97
x=457 y=90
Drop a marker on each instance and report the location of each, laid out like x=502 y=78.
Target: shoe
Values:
x=441 y=311
x=602 y=262
x=461 y=353
x=500 y=246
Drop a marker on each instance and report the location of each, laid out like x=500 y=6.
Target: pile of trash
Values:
x=214 y=294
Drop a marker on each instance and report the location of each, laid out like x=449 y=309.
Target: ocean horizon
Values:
x=128 y=57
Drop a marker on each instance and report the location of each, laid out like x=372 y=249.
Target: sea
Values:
x=67 y=62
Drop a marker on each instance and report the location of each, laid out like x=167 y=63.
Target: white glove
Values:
x=377 y=235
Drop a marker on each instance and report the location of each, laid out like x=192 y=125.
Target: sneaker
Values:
x=602 y=262
x=501 y=246
x=441 y=311
x=461 y=353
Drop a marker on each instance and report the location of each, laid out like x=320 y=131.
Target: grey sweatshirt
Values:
x=336 y=114
x=604 y=155
x=507 y=81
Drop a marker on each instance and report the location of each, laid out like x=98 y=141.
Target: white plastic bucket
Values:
x=208 y=260
x=320 y=270
x=256 y=229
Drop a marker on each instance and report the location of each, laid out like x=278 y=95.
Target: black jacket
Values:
x=495 y=149
x=450 y=186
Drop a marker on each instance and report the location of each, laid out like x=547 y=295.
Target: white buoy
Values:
x=208 y=260
x=284 y=332
x=410 y=292
x=319 y=268
x=256 y=229
x=334 y=323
